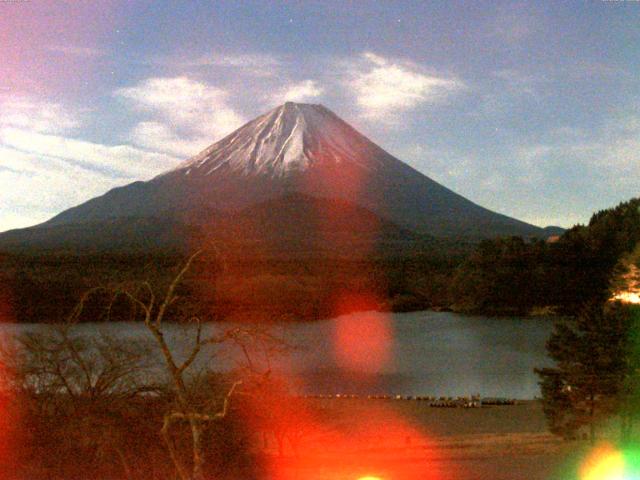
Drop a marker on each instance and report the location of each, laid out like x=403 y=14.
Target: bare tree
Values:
x=76 y=386
x=67 y=370
x=190 y=409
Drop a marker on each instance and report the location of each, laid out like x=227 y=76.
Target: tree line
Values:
x=516 y=276
x=596 y=351
x=595 y=345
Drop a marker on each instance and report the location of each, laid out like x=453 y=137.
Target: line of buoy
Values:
x=446 y=402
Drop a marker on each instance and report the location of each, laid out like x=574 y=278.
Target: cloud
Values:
x=384 y=87
x=560 y=178
x=17 y=218
x=43 y=170
x=571 y=175
x=258 y=64
x=243 y=61
x=183 y=112
x=298 y=92
x=619 y=157
x=123 y=161
x=610 y=155
x=185 y=102
x=35 y=187
x=159 y=137
x=37 y=115
x=30 y=166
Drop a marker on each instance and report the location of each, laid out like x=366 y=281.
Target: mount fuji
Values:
x=290 y=162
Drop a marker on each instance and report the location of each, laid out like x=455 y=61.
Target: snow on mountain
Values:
x=297 y=149
x=288 y=139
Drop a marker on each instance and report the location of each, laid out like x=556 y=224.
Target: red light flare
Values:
x=374 y=443
x=362 y=341
x=9 y=418
x=298 y=439
x=342 y=222
x=329 y=229
x=330 y=175
x=232 y=279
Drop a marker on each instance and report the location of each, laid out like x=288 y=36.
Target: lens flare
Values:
x=375 y=441
x=608 y=463
x=609 y=467
x=362 y=341
x=8 y=413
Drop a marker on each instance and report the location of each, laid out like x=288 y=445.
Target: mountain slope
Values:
x=127 y=234
x=297 y=149
x=290 y=225
x=299 y=224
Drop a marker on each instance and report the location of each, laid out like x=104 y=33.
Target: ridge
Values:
x=286 y=140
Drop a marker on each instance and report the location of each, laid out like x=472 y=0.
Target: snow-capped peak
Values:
x=289 y=138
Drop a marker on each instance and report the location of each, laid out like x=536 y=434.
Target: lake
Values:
x=417 y=353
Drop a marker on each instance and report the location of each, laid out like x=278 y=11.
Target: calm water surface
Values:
x=428 y=353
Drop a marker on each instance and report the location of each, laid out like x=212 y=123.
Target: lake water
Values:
x=423 y=353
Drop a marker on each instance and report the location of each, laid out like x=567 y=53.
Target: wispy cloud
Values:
x=254 y=60
x=34 y=187
x=383 y=87
x=123 y=161
x=297 y=92
x=36 y=115
x=179 y=108
x=258 y=64
x=44 y=170
x=159 y=137
x=568 y=171
x=557 y=178
x=611 y=153
x=618 y=154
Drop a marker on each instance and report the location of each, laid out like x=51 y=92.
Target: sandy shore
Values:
x=404 y=440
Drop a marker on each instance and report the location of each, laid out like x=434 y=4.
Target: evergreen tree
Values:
x=510 y=275
x=593 y=371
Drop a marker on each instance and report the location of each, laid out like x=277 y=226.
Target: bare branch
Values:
x=145 y=308
x=196 y=348
x=170 y=296
x=78 y=309
x=225 y=405
x=171 y=447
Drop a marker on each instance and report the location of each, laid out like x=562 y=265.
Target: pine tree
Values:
x=593 y=369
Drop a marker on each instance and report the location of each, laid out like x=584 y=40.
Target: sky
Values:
x=531 y=109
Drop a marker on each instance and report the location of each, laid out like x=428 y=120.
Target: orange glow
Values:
x=628 y=297
x=362 y=341
x=346 y=179
x=630 y=293
x=377 y=440
x=8 y=414
x=605 y=463
x=310 y=438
